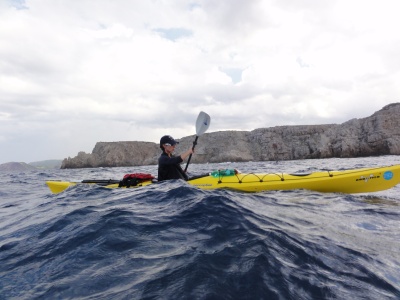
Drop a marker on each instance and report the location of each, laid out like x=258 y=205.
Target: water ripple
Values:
x=173 y=241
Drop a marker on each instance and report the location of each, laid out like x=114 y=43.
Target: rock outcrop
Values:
x=115 y=154
x=378 y=134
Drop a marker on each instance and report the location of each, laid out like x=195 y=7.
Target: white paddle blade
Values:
x=202 y=123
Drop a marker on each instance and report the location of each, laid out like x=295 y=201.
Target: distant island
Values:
x=47 y=164
x=39 y=165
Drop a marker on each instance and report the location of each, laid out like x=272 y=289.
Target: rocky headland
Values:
x=378 y=134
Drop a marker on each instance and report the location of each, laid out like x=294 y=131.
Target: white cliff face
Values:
x=378 y=134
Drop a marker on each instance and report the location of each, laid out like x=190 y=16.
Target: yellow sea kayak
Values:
x=348 y=181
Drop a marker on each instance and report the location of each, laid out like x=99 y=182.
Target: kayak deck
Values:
x=348 y=181
x=363 y=180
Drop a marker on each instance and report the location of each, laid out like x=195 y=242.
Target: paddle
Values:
x=202 y=124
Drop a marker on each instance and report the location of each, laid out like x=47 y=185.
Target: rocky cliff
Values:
x=378 y=134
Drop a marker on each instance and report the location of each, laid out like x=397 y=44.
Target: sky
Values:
x=77 y=72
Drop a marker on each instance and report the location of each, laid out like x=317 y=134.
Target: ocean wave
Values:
x=174 y=241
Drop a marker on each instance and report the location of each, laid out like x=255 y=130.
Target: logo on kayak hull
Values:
x=388 y=175
x=366 y=178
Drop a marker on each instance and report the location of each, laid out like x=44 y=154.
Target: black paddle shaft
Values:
x=190 y=156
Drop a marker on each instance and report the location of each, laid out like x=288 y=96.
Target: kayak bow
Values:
x=363 y=180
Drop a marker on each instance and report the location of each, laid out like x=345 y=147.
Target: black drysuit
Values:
x=170 y=168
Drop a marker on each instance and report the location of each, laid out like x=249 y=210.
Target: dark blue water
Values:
x=173 y=241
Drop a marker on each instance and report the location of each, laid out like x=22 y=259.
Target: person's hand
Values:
x=187 y=153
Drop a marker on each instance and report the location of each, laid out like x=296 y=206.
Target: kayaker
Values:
x=169 y=165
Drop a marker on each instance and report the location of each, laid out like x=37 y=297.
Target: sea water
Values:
x=174 y=241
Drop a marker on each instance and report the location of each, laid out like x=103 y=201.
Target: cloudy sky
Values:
x=76 y=72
